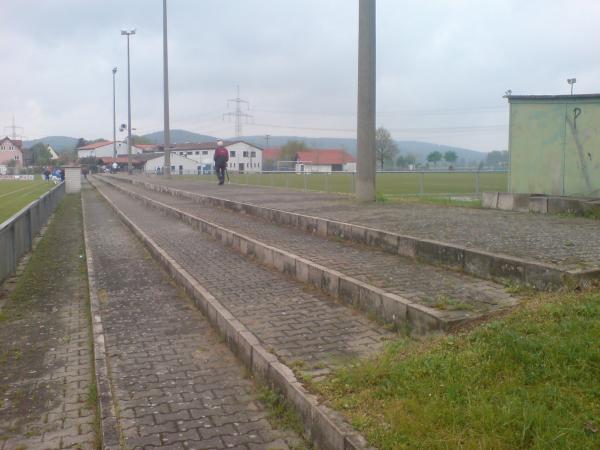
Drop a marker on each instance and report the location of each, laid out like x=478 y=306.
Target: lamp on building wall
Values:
x=571 y=81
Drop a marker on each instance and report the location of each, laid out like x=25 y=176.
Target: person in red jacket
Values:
x=221 y=157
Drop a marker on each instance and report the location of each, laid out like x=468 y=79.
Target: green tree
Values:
x=135 y=139
x=40 y=153
x=81 y=142
x=497 y=158
x=434 y=157
x=385 y=147
x=450 y=156
x=290 y=149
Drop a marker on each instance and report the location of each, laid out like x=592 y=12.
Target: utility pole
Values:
x=365 y=155
x=267 y=137
x=14 y=129
x=167 y=128
x=114 y=72
x=238 y=114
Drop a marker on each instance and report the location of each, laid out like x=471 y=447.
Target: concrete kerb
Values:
x=110 y=432
x=430 y=251
x=349 y=290
x=325 y=429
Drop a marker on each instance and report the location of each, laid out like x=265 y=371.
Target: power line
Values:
x=14 y=129
x=399 y=130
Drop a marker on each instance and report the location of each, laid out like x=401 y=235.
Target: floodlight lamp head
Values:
x=114 y=70
x=571 y=80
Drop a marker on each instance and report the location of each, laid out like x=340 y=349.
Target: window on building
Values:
x=253 y=154
x=205 y=152
x=245 y=154
x=197 y=153
x=232 y=153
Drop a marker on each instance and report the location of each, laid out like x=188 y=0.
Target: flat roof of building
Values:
x=553 y=97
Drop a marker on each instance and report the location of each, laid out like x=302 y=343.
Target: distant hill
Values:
x=59 y=143
x=178 y=137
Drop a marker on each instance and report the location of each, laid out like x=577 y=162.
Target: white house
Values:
x=53 y=154
x=105 y=148
x=180 y=165
x=243 y=157
x=325 y=160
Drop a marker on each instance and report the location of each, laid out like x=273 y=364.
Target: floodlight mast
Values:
x=128 y=33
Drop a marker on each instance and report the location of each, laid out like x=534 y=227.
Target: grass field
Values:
x=528 y=380
x=388 y=184
x=14 y=195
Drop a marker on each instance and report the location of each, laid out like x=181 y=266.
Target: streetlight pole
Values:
x=167 y=129
x=114 y=72
x=128 y=33
x=365 y=155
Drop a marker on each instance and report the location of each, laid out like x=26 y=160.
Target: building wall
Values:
x=551 y=150
x=239 y=154
x=178 y=163
x=107 y=151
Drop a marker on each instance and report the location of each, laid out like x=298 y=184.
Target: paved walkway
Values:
x=302 y=327
x=45 y=355
x=176 y=385
x=569 y=242
x=455 y=293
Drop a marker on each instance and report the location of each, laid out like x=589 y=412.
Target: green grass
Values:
x=528 y=380
x=15 y=195
x=388 y=184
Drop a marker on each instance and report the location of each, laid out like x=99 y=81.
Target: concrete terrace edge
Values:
x=482 y=264
x=325 y=428
x=110 y=434
x=387 y=307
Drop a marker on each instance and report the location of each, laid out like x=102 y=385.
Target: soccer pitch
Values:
x=15 y=195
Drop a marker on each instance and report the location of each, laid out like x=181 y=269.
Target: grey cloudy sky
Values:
x=442 y=65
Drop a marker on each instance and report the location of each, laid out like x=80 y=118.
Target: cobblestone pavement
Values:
x=418 y=282
x=299 y=325
x=45 y=355
x=175 y=383
x=569 y=242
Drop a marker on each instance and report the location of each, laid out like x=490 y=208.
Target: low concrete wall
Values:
x=497 y=267
x=18 y=232
x=543 y=204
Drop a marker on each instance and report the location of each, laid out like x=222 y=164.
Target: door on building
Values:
x=180 y=170
x=241 y=167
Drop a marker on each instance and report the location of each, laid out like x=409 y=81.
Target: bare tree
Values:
x=385 y=146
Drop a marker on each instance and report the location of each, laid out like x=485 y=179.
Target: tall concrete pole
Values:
x=114 y=71
x=129 y=170
x=365 y=157
x=167 y=129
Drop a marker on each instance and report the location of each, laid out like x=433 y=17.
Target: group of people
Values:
x=57 y=175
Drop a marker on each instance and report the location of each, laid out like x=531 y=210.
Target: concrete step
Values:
x=542 y=252
x=394 y=289
x=270 y=321
x=165 y=377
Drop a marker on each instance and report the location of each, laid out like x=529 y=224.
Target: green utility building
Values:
x=554 y=144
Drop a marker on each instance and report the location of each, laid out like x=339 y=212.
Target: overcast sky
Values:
x=442 y=65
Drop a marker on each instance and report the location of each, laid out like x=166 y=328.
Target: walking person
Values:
x=221 y=157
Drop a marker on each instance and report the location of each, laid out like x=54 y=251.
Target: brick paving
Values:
x=45 y=355
x=300 y=326
x=459 y=294
x=569 y=242
x=175 y=383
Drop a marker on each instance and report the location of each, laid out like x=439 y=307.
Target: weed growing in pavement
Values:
x=281 y=414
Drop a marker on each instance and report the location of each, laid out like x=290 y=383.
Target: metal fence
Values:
x=397 y=183
x=18 y=232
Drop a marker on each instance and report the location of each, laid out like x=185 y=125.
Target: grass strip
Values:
x=528 y=380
